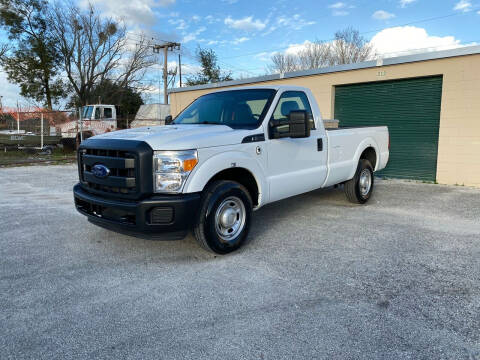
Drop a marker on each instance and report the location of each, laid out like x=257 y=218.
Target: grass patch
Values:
x=26 y=157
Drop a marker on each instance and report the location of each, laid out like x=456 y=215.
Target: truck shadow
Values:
x=286 y=210
x=166 y=250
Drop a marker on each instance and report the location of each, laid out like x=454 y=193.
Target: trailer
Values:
x=13 y=139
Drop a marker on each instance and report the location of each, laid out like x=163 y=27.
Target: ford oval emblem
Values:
x=100 y=171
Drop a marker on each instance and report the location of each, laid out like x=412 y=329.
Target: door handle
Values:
x=320 y=144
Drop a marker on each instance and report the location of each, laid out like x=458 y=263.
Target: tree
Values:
x=347 y=47
x=350 y=47
x=283 y=63
x=314 y=55
x=31 y=59
x=3 y=50
x=127 y=98
x=95 y=49
x=210 y=72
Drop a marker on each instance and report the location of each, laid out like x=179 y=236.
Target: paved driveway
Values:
x=397 y=279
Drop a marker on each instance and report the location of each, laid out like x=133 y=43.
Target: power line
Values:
x=170 y=46
x=362 y=33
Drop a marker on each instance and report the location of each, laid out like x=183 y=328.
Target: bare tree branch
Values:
x=96 y=49
x=347 y=47
x=283 y=63
x=4 y=48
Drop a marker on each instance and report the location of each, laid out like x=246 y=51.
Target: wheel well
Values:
x=242 y=176
x=370 y=155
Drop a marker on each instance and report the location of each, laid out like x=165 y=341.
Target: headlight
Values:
x=171 y=169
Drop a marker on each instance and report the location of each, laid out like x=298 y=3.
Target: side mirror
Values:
x=168 y=119
x=299 y=124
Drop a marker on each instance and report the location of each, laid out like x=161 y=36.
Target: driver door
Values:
x=297 y=165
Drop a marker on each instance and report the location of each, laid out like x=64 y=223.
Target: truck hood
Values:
x=181 y=137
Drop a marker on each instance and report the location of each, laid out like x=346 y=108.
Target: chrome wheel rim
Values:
x=230 y=218
x=365 y=182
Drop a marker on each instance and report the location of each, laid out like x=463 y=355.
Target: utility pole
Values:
x=180 y=68
x=18 y=119
x=168 y=46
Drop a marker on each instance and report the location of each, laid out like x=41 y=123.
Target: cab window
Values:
x=290 y=101
x=107 y=113
x=97 y=113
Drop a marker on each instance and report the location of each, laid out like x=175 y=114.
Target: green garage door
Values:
x=411 y=110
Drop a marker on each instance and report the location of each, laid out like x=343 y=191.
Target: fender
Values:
x=366 y=143
x=231 y=159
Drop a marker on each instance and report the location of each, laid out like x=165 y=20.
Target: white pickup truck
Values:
x=228 y=153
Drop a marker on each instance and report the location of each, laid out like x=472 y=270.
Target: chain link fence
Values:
x=38 y=133
x=36 y=136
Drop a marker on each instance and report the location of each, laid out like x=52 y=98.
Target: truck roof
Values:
x=99 y=105
x=274 y=87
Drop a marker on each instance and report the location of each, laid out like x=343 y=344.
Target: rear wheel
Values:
x=224 y=219
x=47 y=150
x=359 y=189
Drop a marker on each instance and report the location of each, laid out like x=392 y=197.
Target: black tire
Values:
x=217 y=200
x=47 y=150
x=68 y=143
x=353 y=188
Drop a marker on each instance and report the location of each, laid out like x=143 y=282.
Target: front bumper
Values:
x=155 y=215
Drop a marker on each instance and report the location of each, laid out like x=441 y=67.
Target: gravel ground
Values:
x=321 y=278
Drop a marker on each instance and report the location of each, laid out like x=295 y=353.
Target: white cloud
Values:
x=246 y=24
x=340 y=8
x=133 y=12
x=240 y=40
x=338 y=5
x=405 y=40
x=193 y=35
x=463 y=5
x=404 y=3
x=295 y=22
x=165 y=2
x=382 y=15
x=179 y=24
x=264 y=56
x=187 y=68
x=10 y=92
x=295 y=49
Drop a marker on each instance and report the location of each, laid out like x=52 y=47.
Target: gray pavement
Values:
x=321 y=278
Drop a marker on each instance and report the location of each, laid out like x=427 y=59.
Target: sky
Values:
x=245 y=33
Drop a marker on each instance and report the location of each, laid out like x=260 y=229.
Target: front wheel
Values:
x=224 y=219
x=359 y=189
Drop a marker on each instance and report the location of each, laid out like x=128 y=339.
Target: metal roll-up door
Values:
x=411 y=110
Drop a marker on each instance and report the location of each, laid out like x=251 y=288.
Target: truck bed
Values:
x=344 y=144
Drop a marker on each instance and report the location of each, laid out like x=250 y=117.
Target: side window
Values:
x=290 y=101
x=107 y=113
x=97 y=113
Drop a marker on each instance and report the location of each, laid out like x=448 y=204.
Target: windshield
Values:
x=239 y=109
x=87 y=112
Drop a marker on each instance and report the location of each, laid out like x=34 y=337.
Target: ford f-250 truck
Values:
x=228 y=153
